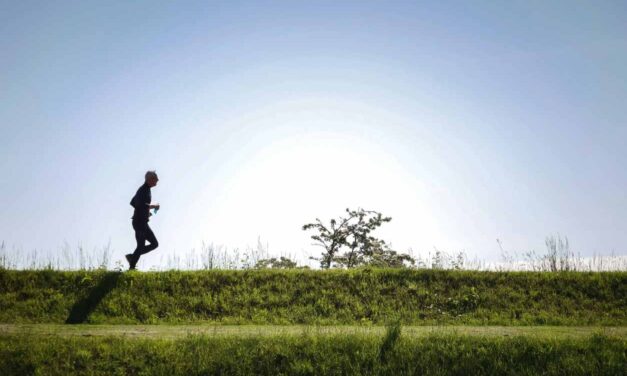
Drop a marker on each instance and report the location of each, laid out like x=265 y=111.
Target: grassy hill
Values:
x=365 y=296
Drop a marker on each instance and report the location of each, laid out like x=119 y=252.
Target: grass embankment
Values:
x=313 y=354
x=416 y=297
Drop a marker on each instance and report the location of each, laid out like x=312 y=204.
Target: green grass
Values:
x=362 y=297
x=313 y=354
x=524 y=323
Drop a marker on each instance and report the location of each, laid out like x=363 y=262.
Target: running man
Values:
x=141 y=203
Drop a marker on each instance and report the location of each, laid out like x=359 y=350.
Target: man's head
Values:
x=151 y=178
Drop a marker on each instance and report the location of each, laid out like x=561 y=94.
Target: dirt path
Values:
x=175 y=331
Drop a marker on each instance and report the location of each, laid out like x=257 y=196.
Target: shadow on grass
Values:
x=85 y=306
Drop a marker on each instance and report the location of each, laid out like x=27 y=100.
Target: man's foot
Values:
x=131 y=261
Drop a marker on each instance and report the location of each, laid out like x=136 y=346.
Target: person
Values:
x=142 y=204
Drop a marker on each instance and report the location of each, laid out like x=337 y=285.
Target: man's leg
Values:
x=140 y=237
x=150 y=236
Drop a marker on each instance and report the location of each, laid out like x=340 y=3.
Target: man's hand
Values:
x=156 y=206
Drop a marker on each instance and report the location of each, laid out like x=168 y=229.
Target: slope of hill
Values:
x=365 y=296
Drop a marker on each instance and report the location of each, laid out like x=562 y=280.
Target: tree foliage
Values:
x=348 y=241
x=274 y=263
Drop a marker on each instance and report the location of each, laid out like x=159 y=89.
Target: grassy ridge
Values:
x=364 y=296
x=313 y=355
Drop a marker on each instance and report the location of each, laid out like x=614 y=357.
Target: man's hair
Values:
x=150 y=173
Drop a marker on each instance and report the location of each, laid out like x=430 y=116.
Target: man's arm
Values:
x=143 y=200
x=148 y=200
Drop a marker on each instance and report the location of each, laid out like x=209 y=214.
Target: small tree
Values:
x=390 y=259
x=353 y=233
x=273 y=263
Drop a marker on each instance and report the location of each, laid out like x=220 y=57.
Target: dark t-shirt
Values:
x=141 y=202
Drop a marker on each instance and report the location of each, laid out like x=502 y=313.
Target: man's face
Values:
x=152 y=181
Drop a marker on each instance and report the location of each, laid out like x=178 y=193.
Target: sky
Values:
x=465 y=122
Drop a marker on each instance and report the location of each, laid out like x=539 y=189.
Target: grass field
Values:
x=304 y=322
x=260 y=350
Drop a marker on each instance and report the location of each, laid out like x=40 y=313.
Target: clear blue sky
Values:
x=465 y=122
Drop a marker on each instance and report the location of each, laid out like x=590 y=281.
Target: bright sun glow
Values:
x=295 y=180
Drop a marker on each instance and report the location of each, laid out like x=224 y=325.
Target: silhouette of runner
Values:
x=141 y=203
